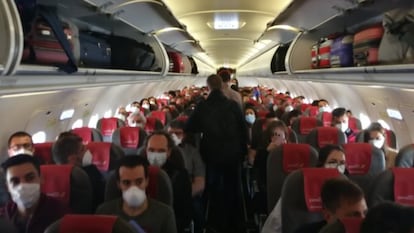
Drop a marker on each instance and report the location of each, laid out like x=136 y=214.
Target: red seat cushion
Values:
x=152 y=189
x=313 y=181
x=129 y=137
x=87 y=224
x=101 y=154
x=44 y=152
x=307 y=124
x=404 y=186
x=326 y=119
x=327 y=135
x=108 y=126
x=150 y=125
x=295 y=156
x=85 y=133
x=358 y=158
x=160 y=115
x=56 y=181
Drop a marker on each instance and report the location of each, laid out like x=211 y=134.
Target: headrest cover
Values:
x=303 y=107
x=85 y=133
x=101 y=153
x=262 y=114
x=352 y=224
x=150 y=125
x=44 y=152
x=358 y=158
x=160 y=115
x=326 y=119
x=352 y=123
x=152 y=189
x=295 y=156
x=87 y=223
x=313 y=180
x=313 y=111
x=404 y=186
x=129 y=137
x=162 y=101
x=56 y=181
x=388 y=137
x=307 y=124
x=108 y=126
x=327 y=135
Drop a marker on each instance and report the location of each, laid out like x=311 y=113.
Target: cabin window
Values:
x=108 y=114
x=365 y=121
x=67 y=114
x=384 y=124
x=394 y=114
x=93 y=121
x=39 y=137
x=77 y=124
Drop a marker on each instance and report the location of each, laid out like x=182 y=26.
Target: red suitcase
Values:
x=321 y=54
x=366 y=45
x=42 y=47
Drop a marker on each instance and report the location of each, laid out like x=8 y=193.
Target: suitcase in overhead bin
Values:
x=176 y=62
x=95 y=50
x=320 y=54
x=366 y=44
x=130 y=54
x=278 y=60
x=342 y=51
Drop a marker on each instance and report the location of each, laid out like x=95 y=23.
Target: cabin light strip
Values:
x=27 y=94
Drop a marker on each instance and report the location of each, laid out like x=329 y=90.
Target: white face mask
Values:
x=250 y=118
x=146 y=106
x=274 y=108
x=25 y=195
x=341 y=168
x=157 y=158
x=87 y=158
x=134 y=109
x=22 y=151
x=342 y=126
x=378 y=143
x=289 y=108
x=176 y=139
x=134 y=196
x=325 y=109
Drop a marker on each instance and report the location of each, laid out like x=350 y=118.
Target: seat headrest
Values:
x=129 y=137
x=313 y=111
x=327 y=135
x=160 y=115
x=150 y=125
x=351 y=224
x=404 y=186
x=295 y=156
x=313 y=180
x=182 y=118
x=87 y=223
x=354 y=124
x=44 y=152
x=303 y=107
x=358 y=158
x=390 y=138
x=85 y=133
x=326 y=118
x=101 y=154
x=162 y=101
x=307 y=124
x=56 y=181
x=153 y=174
x=405 y=157
x=108 y=125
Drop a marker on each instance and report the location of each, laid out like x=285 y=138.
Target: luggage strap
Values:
x=56 y=26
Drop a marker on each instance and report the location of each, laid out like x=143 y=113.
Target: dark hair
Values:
x=214 y=82
x=293 y=113
x=177 y=124
x=66 y=145
x=170 y=141
x=374 y=126
x=335 y=190
x=338 y=112
x=325 y=151
x=131 y=161
x=21 y=159
x=268 y=133
x=19 y=134
x=224 y=75
x=389 y=217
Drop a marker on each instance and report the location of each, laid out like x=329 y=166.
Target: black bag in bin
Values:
x=95 y=50
x=130 y=54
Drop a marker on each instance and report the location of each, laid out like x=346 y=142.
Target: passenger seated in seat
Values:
x=69 y=149
x=158 y=147
x=376 y=136
x=151 y=215
x=29 y=210
x=340 y=198
x=330 y=156
x=340 y=120
x=136 y=119
x=20 y=143
x=389 y=217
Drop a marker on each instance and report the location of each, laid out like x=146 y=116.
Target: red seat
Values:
x=160 y=115
x=326 y=118
x=129 y=139
x=322 y=136
x=107 y=126
x=44 y=152
x=303 y=126
x=354 y=124
x=88 y=134
x=152 y=124
x=101 y=154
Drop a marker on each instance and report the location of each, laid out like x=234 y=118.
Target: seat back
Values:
x=363 y=163
x=88 y=134
x=303 y=126
x=354 y=124
x=164 y=117
x=405 y=156
x=292 y=136
x=69 y=184
x=105 y=155
x=301 y=201
x=322 y=136
x=152 y=125
x=394 y=184
x=43 y=151
x=129 y=139
x=325 y=117
x=344 y=225
x=159 y=186
x=281 y=162
x=107 y=126
x=90 y=224
x=311 y=111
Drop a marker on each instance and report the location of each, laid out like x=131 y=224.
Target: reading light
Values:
x=167 y=29
x=283 y=27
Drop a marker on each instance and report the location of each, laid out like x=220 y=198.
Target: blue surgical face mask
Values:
x=250 y=118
